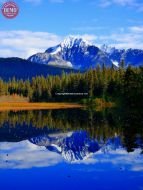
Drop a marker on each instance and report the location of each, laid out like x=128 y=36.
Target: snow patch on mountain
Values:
x=72 y=52
x=56 y=50
x=77 y=53
x=72 y=41
x=72 y=146
x=115 y=63
x=75 y=146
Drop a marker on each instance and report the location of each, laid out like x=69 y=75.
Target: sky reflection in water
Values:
x=69 y=160
x=26 y=155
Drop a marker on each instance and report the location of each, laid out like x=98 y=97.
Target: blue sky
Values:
x=44 y=23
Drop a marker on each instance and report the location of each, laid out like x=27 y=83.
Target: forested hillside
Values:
x=110 y=84
x=23 y=69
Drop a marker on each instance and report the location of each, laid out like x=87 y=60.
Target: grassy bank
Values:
x=5 y=106
x=16 y=102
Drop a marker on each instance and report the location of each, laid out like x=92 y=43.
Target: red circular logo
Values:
x=10 y=9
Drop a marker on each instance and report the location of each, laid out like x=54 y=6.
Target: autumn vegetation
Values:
x=99 y=86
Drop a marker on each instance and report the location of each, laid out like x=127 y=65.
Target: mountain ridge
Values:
x=74 y=52
x=77 y=53
x=77 y=145
x=72 y=55
x=23 y=69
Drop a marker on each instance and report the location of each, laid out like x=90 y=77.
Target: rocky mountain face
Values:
x=73 y=52
x=72 y=55
x=76 y=145
x=79 y=54
x=133 y=57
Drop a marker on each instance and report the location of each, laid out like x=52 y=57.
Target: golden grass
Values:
x=15 y=103
x=15 y=106
x=13 y=98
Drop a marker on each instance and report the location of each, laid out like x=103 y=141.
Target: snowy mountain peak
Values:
x=107 y=49
x=72 y=146
x=68 y=43
x=77 y=145
x=75 y=52
x=71 y=41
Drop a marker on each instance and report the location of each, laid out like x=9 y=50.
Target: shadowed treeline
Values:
x=123 y=86
x=17 y=126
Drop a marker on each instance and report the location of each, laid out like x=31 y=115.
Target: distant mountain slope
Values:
x=72 y=146
x=72 y=55
x=20 y=68
x=77 y=145
x=73 y=52
x=79 y=54
x=133 y=57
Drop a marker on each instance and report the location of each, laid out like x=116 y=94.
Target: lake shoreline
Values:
x=8 y=106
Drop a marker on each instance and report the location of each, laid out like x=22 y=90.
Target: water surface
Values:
x=71 y=149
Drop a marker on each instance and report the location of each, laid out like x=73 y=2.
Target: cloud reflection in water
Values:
x=75 y=147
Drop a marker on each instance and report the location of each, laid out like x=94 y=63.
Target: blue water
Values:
x=65 y=176
x=28 y=166
x=49 y=158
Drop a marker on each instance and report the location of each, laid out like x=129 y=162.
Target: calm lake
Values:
x=71 y=149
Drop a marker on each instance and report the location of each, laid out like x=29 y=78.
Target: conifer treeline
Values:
x=107 y=83
x=100 y=125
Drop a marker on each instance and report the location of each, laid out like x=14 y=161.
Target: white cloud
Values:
x=124 y=2
x=88 y=37
x=25 y=43
x=22 y=156
x=130 y=37
x=137 y=29
x=129 y=3
x=119 y=159
x=104 y=3
x=25 y=155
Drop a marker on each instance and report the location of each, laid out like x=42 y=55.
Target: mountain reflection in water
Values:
x=43 y=138
x=72 y=146
x=71 y=149
x=75 y=147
